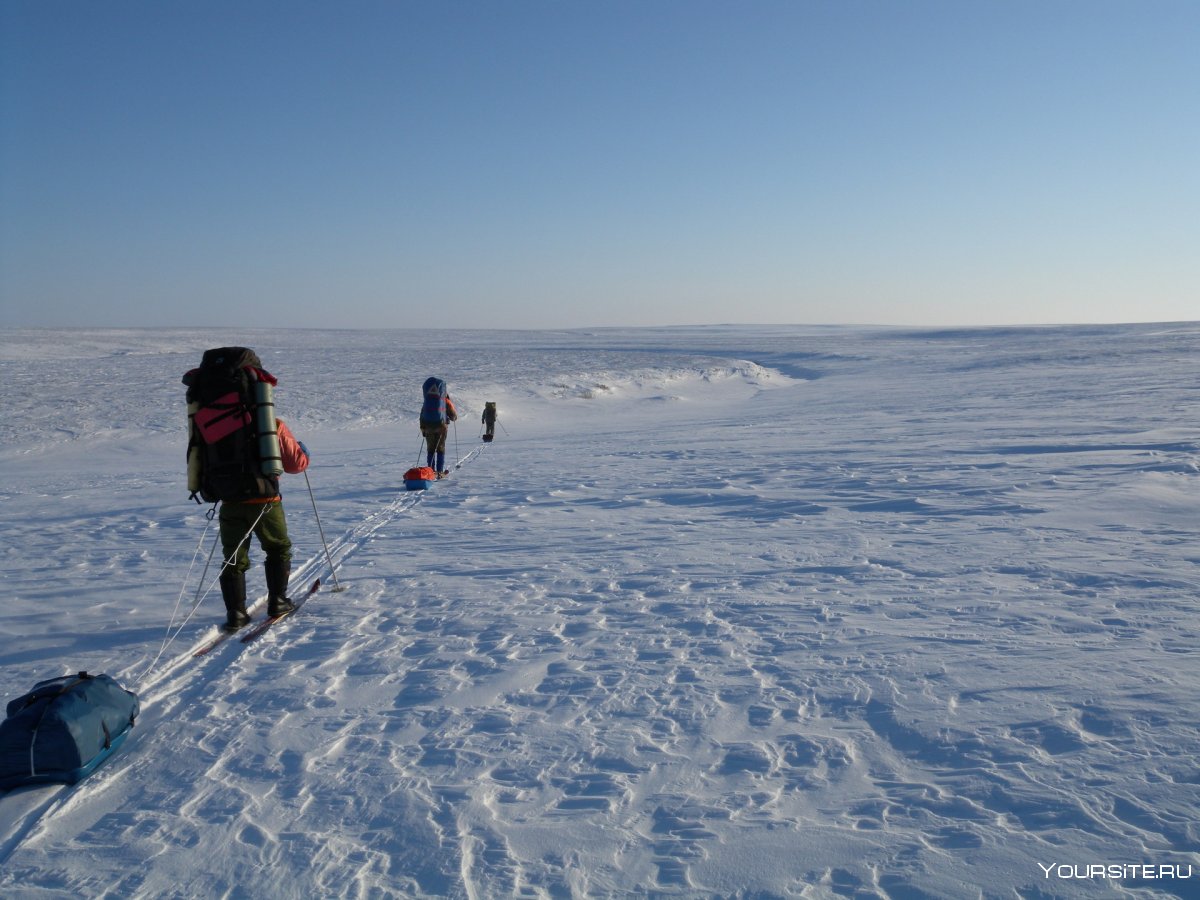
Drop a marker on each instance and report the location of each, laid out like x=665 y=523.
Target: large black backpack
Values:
x=233 y=443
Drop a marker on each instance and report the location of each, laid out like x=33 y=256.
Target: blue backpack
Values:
x=63 y=729
x=433 y=410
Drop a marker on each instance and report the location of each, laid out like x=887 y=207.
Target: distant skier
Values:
x=489 y=421
x=236 y=452
x=437 y=412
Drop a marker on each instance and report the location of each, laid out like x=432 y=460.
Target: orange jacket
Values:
x=451 y=416
x=295 y=460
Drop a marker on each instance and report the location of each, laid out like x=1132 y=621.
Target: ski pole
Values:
x=201 y=591
x=332 y=571
x=207 y=566
x=457 y=458
x=173 y=631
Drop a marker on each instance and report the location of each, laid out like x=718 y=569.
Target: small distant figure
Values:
x=437 y=412
x=489 y=422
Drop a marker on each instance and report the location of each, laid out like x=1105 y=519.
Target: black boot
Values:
x=233 y=592
x=278 y=573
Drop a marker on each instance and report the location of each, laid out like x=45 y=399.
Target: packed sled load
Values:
x=419 y=478
x=63 y=729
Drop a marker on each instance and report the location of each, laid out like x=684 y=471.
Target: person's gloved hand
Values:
x=304 y=449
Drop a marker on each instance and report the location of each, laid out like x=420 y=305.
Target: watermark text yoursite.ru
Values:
x=1118 y=871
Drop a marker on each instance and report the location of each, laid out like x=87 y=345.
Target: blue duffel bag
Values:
x=63 y=729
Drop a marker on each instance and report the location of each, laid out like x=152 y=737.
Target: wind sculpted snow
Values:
x=726 y=611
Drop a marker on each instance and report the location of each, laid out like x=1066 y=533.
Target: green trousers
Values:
x=435 y=437
x=271 y=530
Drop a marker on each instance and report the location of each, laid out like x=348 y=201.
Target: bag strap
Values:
x=50 y=698
x=37 y=696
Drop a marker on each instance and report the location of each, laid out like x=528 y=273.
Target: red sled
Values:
x=419 y=478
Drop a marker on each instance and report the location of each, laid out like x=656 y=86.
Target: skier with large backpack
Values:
x=437 y=412
x=237 y=449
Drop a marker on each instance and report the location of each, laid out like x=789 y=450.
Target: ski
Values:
x=212 y=645
x=221 y=637
x=257 y=630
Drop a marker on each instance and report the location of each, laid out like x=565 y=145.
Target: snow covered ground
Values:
x=728 y=611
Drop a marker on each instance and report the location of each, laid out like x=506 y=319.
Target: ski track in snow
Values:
x=722 y=612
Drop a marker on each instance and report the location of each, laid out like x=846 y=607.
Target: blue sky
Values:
x=564 y=164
